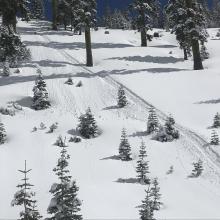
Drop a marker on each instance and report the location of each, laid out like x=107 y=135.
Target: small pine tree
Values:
x=198 y=169
x=24 y=197
x=146 y=212
x=142 y=168
x=2 y=133
x=204 y=52
x=216 y=123
x=169 y=128
x=40 y=98
x=122 y=100
x=170 y=171
x=6 y=69
x=152 y=124
x=214 y=138
x=53 y=127
x=79 y=84
x=87 y=126
x=65 y=203
x=69 y=81
x=155 y=193
x=124 y=147
x=59 y=142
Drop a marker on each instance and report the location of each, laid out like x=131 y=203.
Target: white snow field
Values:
x=152 y=76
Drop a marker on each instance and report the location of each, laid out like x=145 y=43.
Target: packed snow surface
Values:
x=156 y=75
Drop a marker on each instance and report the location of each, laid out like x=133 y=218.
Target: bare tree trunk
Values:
x=185 y=54
x=89 y=59
x=143 y=37
x=80 y=30
x=196 y=55
x=54 y=11
x=195 y=46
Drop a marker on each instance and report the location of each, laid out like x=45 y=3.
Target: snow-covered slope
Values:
x=152 y=76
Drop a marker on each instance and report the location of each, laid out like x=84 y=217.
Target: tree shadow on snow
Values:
x=150 y=59
x=114 y=157
x=111 y=107
x=21 y=79
x=74 y=45
x=211 y=101
x=130 y=180
x=164 y=46
x=104 y=73
x=25 y=102
x=139 y=134
x=73 y=132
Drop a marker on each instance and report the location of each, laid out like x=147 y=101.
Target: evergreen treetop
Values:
x=152 y=123
x=25 y=197
x=87 y=13
x=124 y=147
x=198 y=169
x=65 y=203
x=155 y=193
x=214 y=138
x=142 y=167
x=146 y=11
x=2 y=133
x=40 y=98
x=122 y=100
x=87 y=126
x=216 y=123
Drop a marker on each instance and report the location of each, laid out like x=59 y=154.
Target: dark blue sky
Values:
x=102 y=5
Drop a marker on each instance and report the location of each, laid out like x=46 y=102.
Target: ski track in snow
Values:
x=193 y=142
x=65 y=102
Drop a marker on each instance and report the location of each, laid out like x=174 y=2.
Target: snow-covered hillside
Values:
x=156 y=75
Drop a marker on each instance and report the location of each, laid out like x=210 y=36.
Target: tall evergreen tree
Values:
x=214 y=138
x=156 y=196
x=10 y=8
x=169 y=128
x=215 y=18
x=54 y=14
x=107 y=17
x=25 y=197
x=11 y=47
x=37 y=9
x=151 y=202
x=198 y=169
x=87 y=125
x=65 y=203
x=122 y=100
x=152 y=123
x=87 y=19
x=145 y=11
x=188 y=21
x=3 y=135
x=216 y=121
x=146 y=211
x=124 y=147
x=142 y=167
x=196 y=26
x=177 y=17
x=40 y=98
x=64 y=12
